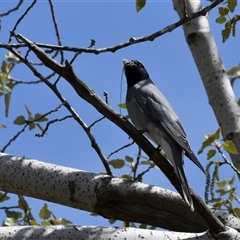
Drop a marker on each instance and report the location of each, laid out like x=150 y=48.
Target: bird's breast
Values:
x=142 y=121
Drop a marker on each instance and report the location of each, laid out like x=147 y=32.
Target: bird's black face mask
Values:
x=134 y=71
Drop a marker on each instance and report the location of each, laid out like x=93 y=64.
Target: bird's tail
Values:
x=179 y=168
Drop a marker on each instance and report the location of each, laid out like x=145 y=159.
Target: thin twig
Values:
x=99 y=120
x=105 y=94
x=14 y=138
x=121 y=148
x=226 y=161
x=21 y=18
x=51 y=122
x=56 y=30
x=132 y=40
x=13 y=9
x=139 y=176
x=17 y=81
x=7 y=208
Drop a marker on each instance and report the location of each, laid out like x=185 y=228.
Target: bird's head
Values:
x=134 y=71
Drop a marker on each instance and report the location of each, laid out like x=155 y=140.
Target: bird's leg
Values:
x=159 y=148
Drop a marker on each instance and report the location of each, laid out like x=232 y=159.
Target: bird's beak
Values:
x=125 y=61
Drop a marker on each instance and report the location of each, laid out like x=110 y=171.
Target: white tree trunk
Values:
x=214 y=77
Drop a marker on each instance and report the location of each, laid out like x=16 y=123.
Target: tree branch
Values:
x=107 y=196
x=128 y=43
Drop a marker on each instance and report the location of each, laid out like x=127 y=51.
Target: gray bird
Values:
x=151 y=113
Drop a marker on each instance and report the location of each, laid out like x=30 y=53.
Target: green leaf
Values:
x=238 y=102
x=122 y=105
x=10 y=57
x=206 y=143
x=32 y=125
x=221 y=19
x=226 y=32
x=128 y=159
x=20 y=120
x=112 y=221
x=3 y=197
x=232 y=4
x=216 y=135
x=4 y=67
x=64 y=221
x=46 y=224
x=140 y=4
x=45 y=213
x=22 y=204
x=221 y=184
x=236 y=211
x=3 y=77
x=7 y=98
x=211 y=153
x=13 y=214
x=143 y=226
x=39 y=118
x=125 y=176
x=145 y=163
x=232 y=180
x=223 y=11
x=117 y=163
x=232 y=70
x=2 y=126
x=28 y=111
x=229 y=146
x=33 y=223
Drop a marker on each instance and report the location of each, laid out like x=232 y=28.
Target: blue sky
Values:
x=167 y=59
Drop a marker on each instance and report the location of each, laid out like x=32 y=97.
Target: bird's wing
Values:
x=156 y=106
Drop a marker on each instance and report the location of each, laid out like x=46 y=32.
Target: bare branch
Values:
x=21 y=18
x=121 y=148
x=131 y=41
x=13 y=9
x=56 y=30
x=14 y=138
x=51 y=122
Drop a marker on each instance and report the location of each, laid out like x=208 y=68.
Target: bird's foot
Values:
x=159 y=148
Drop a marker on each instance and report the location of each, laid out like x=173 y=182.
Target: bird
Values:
x=152 y=114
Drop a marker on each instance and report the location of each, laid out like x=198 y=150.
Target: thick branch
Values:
x=100 y=233
x=110 y=197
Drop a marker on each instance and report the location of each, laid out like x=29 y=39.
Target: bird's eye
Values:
x=138 y=64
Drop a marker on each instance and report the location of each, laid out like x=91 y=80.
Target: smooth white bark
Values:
x=214 y=77
x=77 y=232
x=103 y=233
x=108 y=196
